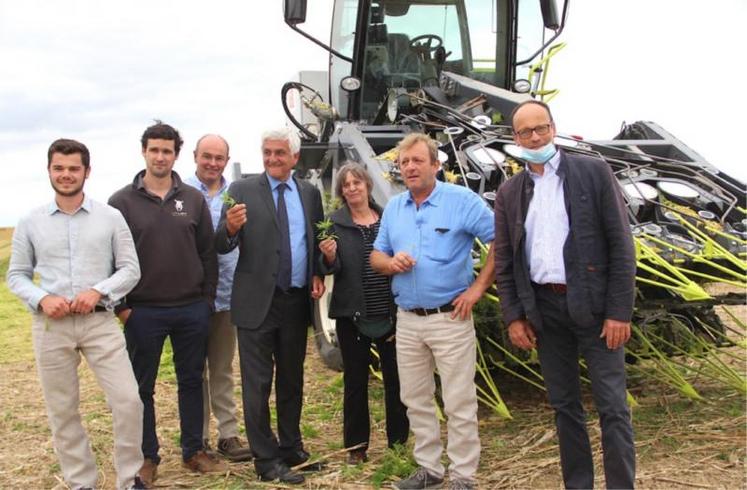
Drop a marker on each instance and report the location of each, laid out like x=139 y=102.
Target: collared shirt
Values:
x=91 y=248
x=546 y=226
x=439 y=235
x=227 y=262
x=297 y=226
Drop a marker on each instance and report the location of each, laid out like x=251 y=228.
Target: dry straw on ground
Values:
x=680 y=443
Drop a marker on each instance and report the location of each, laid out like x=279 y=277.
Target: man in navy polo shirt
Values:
x=425 y=242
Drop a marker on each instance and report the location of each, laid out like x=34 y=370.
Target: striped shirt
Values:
x=375 y=286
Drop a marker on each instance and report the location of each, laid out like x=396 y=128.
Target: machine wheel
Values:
x=325 y=333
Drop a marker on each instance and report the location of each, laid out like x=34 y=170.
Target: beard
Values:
x=72 y=191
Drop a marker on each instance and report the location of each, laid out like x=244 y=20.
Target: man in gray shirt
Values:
x=84 y=255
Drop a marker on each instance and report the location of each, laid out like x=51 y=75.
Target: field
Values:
x=680 y=443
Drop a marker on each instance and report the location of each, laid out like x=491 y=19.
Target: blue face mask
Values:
x=539 y=156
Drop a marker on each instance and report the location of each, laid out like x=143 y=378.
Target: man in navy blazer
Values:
x=565 y=270
x=271 y=304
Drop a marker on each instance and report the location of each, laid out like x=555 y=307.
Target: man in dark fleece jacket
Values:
x=173 y=233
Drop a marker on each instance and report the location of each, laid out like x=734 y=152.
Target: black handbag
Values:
x=374 y=327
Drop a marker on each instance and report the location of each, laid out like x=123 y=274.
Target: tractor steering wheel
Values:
x=428 y=44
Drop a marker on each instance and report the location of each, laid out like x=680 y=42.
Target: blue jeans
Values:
x=187 y=327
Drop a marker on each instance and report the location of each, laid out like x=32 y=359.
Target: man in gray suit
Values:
x=565 y=270
x=273 y=224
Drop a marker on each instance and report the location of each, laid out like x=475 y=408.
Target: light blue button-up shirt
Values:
x=89 y=249
x=546 y=226
x=226 y=262
x=439 y=235
x=297 y=225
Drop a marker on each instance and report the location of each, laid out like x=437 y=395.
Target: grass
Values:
x=15 y=318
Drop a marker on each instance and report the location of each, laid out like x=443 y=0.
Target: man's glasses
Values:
x=541 y=130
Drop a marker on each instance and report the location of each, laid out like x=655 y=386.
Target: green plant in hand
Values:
x=228 y=200
x=323 y=230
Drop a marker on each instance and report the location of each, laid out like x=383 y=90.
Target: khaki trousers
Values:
x=57 y=347
x=217 y=384
x=437 y=341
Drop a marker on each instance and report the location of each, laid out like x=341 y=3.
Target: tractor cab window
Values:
x=409 y=43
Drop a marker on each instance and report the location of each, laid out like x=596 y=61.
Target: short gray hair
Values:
x=284 y=134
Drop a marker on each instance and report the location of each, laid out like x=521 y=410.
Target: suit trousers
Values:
x=57 y=347
x=187 y=328
x=356 y=357
x=559 y=344
x=217 y=384
x=279 y=341
x=438 y=341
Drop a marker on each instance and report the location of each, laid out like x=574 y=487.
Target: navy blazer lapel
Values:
x=266 y=195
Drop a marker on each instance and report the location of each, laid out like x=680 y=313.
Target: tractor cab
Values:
x=386 y=55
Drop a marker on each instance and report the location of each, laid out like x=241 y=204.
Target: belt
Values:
x=290 y=290
x=432 y=311
x=555 y=288
x=99 y=309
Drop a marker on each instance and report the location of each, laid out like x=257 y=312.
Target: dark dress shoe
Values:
x=357 y=456
x=294 y=458
x=283 y=474
x=300 y=457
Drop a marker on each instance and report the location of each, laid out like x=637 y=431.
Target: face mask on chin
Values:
x=540 y=156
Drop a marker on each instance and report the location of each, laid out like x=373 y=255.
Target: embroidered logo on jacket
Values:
x=179 y=208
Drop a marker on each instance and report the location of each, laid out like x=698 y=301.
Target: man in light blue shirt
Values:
x=211 y=156
x=425 y=241
x=84 y=255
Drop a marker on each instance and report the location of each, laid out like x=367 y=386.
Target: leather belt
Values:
x=99 y=309
x=432 y=311
x=290 y=290
x=555 y=288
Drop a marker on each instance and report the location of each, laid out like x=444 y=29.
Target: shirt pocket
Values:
x=442 y=246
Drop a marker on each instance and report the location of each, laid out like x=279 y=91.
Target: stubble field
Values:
x=680 y=443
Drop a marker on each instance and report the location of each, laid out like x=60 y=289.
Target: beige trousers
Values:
x=437 y=341
x=217 y=379
x=57 y=347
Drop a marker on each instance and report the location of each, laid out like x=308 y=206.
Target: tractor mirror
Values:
x=550 y=14
x=295 y=12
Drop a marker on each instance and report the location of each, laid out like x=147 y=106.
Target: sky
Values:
x=101 y=72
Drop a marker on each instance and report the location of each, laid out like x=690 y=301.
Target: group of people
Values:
x=177 y=259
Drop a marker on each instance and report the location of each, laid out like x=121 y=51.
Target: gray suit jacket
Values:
x=259 y=252
x=598 y=254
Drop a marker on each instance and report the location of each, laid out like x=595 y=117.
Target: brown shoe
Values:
x=233 y=450
x=200 y=462
x=148 y=472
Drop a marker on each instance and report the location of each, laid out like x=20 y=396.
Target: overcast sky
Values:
x=101 y=72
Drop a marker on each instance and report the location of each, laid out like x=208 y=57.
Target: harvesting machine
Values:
x=455 y=69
